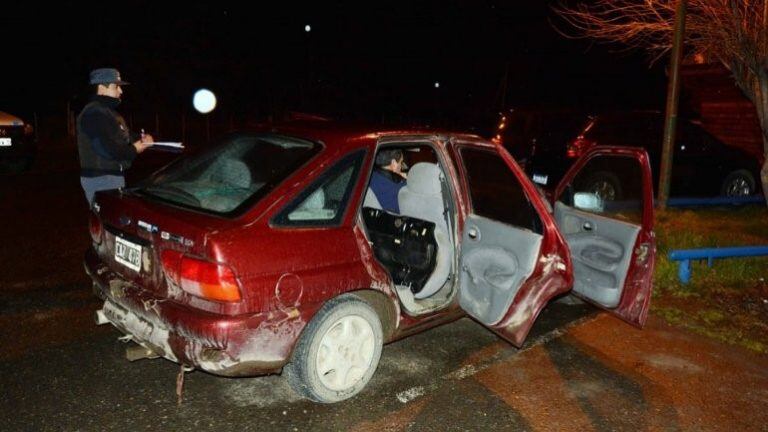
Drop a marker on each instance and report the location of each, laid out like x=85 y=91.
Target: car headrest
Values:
x=314 y=201
x=234 y=172
x=424 y=178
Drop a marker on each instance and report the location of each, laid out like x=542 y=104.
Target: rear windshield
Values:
x=232 y=175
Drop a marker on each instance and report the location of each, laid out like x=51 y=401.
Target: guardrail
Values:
x=685 y=256
x=694 y=202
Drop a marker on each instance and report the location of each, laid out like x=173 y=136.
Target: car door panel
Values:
x=496 y=260
x=612 y=242
x=512 y=257
x=601 y=252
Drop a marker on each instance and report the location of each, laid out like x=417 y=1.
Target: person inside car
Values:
x=388 y=178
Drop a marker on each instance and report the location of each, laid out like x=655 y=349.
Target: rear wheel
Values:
x=605 y=185
x=338 y=352
x=738 y=183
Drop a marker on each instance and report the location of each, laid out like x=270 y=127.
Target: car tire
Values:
x=738 y=183
x=338 y=352
x=605 y=184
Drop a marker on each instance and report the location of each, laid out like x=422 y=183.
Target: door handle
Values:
x=587 y=226
x=473 y=233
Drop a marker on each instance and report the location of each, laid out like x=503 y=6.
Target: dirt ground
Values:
x=602 y=375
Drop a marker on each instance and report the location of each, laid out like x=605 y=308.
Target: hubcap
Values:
x=605 y=190
x=345 y=353
x=738 y=187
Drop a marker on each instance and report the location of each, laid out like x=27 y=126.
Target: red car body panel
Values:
x=287 y=274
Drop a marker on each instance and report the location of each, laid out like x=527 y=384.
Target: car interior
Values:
x=502 y=238
x=417 y=244
x=223 y=178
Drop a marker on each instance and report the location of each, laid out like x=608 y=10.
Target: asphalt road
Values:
x=62 y=372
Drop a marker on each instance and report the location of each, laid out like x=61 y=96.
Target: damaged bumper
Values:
x=242 y=345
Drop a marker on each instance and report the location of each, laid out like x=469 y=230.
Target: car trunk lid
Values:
x=137 y=231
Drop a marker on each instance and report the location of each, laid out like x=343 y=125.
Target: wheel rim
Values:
x=345 y=353
x=738 y=187
x=604 y=189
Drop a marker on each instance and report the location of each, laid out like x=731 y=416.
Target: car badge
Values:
x=125 y=220
x=165 y=235
x=147 y=226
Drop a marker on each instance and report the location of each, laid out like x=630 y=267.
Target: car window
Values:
x=692 y=139
x=495 y=191
x=608 y=185
x=324 y=201
x=232 y=175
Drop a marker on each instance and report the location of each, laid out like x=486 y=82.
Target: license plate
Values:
x=128 y=253
x=540 y=179
x=5 y=142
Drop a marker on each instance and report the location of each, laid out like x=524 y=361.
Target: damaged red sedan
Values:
x=270 y=252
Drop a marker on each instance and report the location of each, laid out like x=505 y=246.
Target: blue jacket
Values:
x=385 y=185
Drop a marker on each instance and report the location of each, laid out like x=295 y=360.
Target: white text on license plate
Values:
x=540 y=179
x=5 y=142
x=128 y=253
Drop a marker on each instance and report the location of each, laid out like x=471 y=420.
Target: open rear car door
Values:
x=513 y=259
x=604 y=209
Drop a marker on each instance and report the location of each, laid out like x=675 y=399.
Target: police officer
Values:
x=105 y=144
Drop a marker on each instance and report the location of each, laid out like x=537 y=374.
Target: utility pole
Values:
x=673 y=96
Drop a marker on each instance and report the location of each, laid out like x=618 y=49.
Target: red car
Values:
x=268 y=252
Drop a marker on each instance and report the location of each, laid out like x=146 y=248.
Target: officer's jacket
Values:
x=103 y=140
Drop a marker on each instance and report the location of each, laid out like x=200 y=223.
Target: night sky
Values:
x=361 y=60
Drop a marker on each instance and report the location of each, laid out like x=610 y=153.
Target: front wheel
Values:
x=738 y=183
x=338 y=351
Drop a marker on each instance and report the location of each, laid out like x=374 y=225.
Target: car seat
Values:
x=313 y=208
x=422 y=198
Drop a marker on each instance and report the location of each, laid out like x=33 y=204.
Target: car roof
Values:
x=354 y=135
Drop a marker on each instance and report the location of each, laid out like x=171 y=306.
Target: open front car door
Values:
x=604 y=209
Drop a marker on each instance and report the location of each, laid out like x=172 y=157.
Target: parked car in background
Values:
x=17 y=144
x=525 y=132
x=703 y=166
x=270 y=252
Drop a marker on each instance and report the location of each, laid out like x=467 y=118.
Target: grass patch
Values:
x=728 y=301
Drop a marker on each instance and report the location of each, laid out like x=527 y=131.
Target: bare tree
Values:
x=733 y=32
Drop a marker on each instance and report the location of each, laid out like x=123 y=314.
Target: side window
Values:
x=611 y=186
x=495 y=191
x=691 y=139
x=324 y=201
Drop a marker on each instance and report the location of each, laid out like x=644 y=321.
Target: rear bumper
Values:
x=242 y=345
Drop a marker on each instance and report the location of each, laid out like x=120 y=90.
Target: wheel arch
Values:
x=384 y=308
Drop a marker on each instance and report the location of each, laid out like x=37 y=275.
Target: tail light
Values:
x=578 y=147
x=95 y=227
x=201 y=278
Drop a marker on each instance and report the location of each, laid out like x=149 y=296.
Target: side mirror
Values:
x=588 y=201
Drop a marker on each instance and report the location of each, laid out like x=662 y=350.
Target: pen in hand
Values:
x=144 y=142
